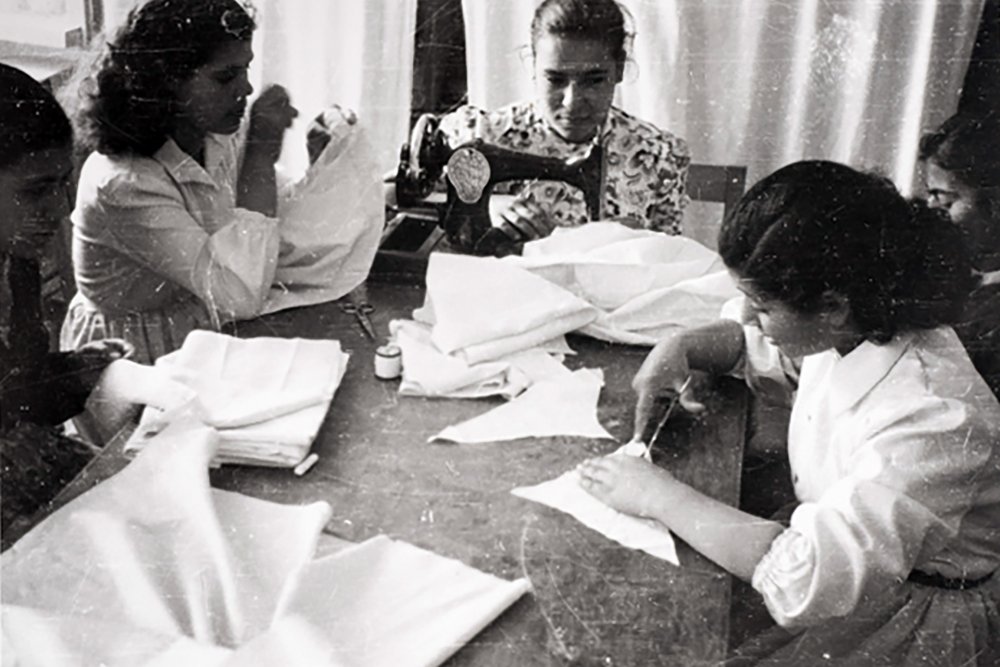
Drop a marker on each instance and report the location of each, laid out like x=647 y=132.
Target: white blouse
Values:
x=895 y=454
x=150 y=231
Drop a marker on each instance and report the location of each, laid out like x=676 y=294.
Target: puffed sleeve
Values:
x=666 y=212
x=230 y=268
x=914 y=476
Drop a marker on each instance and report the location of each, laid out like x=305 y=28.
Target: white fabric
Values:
x=356 y=53
x=429 y=372
x=565 y=494
x=153 y=567
x=644 y=283
x=266 y=413
x=765 y=83
x=331 y=222
x=483 y=308
x=895 y=456
x=561 y=406
x=390 y=603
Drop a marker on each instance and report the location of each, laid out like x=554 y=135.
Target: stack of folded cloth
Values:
x=266 y=397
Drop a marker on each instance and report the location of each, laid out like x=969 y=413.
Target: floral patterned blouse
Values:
x=645 y=168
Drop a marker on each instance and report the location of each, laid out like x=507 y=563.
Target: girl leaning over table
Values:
x=890 y=556
x=174 y=229
x=579 y=52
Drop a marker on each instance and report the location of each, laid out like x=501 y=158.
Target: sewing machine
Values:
x=472 y=171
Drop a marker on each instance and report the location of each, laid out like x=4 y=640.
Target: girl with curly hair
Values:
x=173 y=228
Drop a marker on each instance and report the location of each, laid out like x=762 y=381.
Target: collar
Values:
x=183 y=167
x=863 y=368
x=534 y=118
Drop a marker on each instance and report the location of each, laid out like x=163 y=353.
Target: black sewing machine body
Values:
x=472 y=171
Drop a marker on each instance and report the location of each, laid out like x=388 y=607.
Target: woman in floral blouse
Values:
x=579 y=50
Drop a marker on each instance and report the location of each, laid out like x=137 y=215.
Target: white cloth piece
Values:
x=644 y=283
x=390 y=603
x=565 y=494
x=331 y=222
x=482 y=308
x=429 y=372
x=560 y=406
x=153 y=567
x=266 y=413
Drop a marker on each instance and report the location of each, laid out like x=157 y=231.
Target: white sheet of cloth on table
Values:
x=331 y=221
x=267 y=397
x=154 y=567
x=643 y=283
x=561 y=406
x=483 y=308
x=427 y=371
x=565 y=494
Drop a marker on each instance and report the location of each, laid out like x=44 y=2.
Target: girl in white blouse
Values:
x=894 y=441
x=173 y=230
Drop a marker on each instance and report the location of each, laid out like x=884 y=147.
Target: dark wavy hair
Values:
x=815 y=227
x=32 y=119
x=968 y=145
x=600 y=20
x=128 y=104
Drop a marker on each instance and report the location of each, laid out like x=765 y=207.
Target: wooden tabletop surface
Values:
x=593 y=602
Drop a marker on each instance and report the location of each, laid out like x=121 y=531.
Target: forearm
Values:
x=256 y=188
x=734 y=540
x=714 y=348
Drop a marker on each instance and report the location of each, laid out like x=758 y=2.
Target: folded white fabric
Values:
x=429 y=372
x=331 y=221
x=644 y=283
x=557 y=406
x=482 y=308
x=565 y=494
x=267 y=397
x=153 y=567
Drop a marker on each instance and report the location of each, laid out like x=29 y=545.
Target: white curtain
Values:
x=355 y=53
x=763 y=83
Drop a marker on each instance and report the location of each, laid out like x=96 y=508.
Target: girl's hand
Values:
x=95 y=356
x=628 y=484
x=662 y=374
x=271 y=114
x=526 y=221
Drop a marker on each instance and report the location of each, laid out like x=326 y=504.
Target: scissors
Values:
x=663 y=420
x=360 y=308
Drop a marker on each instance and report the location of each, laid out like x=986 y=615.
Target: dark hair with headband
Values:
x=815 y=227
x=599 y=20
x=129 y=105
x=32 y=119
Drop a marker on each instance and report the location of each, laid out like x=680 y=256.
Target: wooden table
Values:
x=594 y=602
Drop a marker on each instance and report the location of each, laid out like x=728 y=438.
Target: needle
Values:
x=663 y=420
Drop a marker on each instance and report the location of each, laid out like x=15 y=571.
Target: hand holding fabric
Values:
x=271 y=114
x=629 y=484
x=526 y=220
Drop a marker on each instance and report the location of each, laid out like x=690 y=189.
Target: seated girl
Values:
x=894 y=440
x=39 y=390
x=173 y=229
x=579 y=51
x=962 y=160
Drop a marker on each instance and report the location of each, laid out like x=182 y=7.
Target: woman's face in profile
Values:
x=575 y=82
x=36 y=195
x=214 y=98
x=963 y=204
